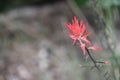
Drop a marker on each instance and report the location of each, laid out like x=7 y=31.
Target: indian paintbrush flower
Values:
x=79 y=34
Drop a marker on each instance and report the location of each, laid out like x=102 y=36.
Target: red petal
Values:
x=74 y=38
x=87 y=34
x=81 y=23
x=76 y=20
x=95 y=48
x=74 y=41
x=86 y=41
x=68 y=25
x=106 y=62
x=83 y=29
x=83 y=49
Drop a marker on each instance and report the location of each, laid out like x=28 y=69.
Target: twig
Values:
x=96 y=65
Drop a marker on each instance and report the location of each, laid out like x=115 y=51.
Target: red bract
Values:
x=79 y=32
x=106 y=62
x=94 y=47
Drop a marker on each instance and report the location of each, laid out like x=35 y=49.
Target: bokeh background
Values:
x=35 y=45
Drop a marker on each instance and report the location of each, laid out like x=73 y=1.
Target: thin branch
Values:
x=106 y=76
x=95 y=63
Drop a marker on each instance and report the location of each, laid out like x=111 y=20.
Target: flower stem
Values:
x=94 y=61
x=96 y=65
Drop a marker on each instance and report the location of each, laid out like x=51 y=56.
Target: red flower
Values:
x=83 y=48
x=79 y=32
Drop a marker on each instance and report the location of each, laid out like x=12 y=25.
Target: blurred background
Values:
x=35 y=45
